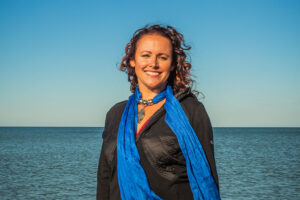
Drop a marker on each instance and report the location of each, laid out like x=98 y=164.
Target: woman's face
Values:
x=152 y=62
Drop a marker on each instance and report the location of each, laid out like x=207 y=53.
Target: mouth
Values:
x=151 y=73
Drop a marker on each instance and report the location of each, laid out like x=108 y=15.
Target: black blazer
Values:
x=160 y=154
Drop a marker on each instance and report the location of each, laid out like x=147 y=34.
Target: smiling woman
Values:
x=179 y=77
x=159 y=143
x=152 y=63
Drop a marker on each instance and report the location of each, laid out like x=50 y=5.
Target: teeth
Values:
x=152 y=73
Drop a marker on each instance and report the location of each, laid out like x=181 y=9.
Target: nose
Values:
x=154 y=62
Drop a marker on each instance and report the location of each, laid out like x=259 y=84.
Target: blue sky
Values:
x=59 y=59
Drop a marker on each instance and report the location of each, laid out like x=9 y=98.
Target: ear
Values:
x=132 y=63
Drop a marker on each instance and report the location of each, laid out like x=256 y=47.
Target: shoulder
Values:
x=116 y=109
x=113 y=118
x=192 y=105
x=189 y=101
x=193 y=108
x=196 y=112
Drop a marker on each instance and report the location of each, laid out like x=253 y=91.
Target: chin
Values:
x=156 y=86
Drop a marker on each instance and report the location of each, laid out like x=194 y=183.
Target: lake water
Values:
x=61 y=163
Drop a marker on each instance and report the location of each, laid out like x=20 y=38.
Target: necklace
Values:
x=141 y=113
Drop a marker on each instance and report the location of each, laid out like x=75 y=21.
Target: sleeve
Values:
x=202 y=126
x=104 y=171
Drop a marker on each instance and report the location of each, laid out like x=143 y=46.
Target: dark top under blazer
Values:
x=160 y=154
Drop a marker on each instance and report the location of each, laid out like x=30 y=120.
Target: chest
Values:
x=160 y=149
x=160 y=152
x=146 y=112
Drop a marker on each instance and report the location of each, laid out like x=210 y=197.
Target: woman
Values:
x=158 y=144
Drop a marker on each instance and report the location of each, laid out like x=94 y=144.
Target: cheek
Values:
x=168 y=67
x=141 y=63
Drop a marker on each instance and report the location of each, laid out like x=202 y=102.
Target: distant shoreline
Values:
x=103 y=127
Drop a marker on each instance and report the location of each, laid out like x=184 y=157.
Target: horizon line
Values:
x=103 y=126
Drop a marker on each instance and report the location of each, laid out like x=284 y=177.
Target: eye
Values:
x=145 y=55
x=163 y=57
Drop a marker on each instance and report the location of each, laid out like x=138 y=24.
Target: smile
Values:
x=152 y=73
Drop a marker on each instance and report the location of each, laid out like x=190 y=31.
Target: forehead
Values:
x=153 y=42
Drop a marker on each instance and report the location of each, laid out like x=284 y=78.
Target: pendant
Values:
x=141 y=115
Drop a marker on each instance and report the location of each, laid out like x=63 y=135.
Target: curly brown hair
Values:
x=180 y=77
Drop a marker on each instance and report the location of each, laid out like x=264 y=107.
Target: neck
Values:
x=148 y=93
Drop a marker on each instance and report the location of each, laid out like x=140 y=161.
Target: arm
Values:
x=201 y=123
x=106 y=177
x=104 y=172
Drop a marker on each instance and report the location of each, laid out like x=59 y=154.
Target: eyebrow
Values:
x=146 y=52
x=166 y=54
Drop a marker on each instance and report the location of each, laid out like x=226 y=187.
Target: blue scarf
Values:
x=132 y=178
